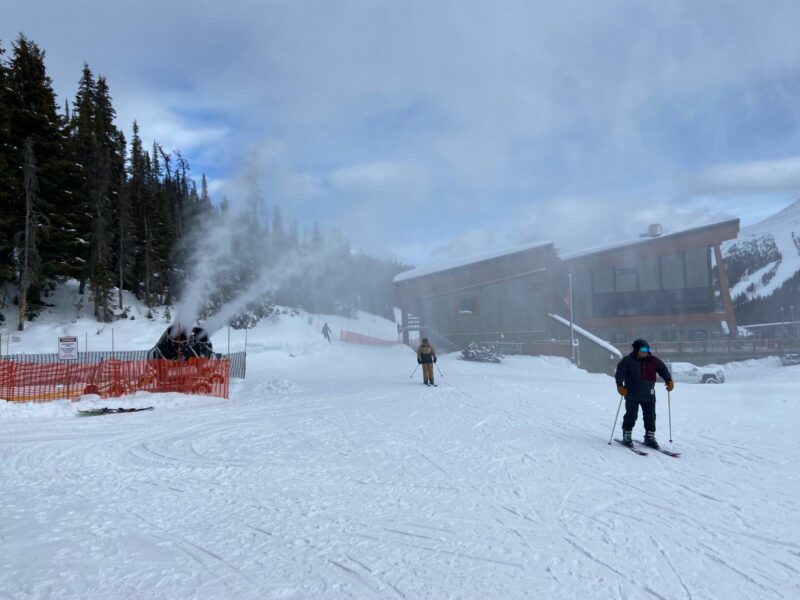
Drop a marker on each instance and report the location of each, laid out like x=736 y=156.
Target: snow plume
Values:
x=227 y=249
x=214 y=250
x=289 y=267
x=236 y=260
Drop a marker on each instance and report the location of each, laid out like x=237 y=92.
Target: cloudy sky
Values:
x=430 y=129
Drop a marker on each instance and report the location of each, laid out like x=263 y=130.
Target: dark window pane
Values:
x=467 y=306
x=603 y=281
x=626 y=279
x=649 y=275
x=672 y=272
x=697 y=273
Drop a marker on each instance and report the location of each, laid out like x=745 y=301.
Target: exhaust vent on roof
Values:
x=653 y=231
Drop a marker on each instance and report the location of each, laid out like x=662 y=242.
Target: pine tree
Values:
x=10 y=198
x=29 y=238
x=33 y=114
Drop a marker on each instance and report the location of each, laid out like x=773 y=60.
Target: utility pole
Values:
x=571 y=324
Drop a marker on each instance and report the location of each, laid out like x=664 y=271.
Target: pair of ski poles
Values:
x=669 y=410
x=417 y=367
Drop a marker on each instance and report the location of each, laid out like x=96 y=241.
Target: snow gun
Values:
x=175 y=344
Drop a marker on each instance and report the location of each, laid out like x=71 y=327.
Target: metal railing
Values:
x=765 y=347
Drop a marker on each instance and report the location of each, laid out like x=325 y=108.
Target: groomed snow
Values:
x=331 y=474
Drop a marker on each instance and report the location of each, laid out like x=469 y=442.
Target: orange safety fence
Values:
x=360 y=338
x=36 y=382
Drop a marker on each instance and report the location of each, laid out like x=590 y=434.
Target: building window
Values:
x=626 y=279
x=669 y=335
x=603 y=281
x=698 y=273
x=649 y=275
x=467 y=305
x=698 y=335
x=672 y=272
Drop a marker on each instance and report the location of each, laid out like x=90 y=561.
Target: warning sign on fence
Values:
x=68 y=348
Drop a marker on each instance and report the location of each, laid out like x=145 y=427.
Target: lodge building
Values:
x=663 y=287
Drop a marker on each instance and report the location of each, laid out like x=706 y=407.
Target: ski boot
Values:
x=627 y=438
x=650 y=439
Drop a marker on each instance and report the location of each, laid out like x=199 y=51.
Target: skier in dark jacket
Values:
x=636 y=380
x=426 y=356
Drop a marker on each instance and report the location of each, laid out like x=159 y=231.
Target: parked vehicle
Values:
x=790 y=356
x=688 y=373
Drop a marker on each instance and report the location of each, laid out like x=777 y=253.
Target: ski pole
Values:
x=615 y=420
x=415 y=370
x=438 y=369
x=669 y=410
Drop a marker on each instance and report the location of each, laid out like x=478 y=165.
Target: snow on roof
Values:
x=462 y=262
x=642 y=240
x=590 y=336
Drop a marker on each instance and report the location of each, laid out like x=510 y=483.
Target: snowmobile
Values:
x=481 y=353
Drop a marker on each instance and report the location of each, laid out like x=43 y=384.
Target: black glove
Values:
x=419 y=362
x=434 y=359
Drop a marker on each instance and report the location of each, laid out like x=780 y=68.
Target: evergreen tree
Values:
x=33 y=114
x=10 y=198
x=34 y=223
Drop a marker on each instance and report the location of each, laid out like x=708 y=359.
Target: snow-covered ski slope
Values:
x=331 y=474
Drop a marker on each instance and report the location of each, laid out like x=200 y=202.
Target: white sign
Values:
x=68 y=348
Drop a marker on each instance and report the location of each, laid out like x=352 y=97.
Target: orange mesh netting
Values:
x=37 y=382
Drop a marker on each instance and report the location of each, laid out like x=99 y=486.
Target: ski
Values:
x=662 y=450
x=631 y=448
x=109 y=411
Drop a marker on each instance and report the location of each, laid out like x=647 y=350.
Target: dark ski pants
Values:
x=427 y=372
x=632 y=413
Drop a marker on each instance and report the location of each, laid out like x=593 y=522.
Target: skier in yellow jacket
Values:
x=426 y=356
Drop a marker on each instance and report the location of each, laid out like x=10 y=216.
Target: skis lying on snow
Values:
x=631 y=448
x=108 y=411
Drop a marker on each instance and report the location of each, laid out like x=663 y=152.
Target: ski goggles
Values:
x=644 y=349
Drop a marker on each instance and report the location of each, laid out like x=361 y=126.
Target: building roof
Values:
x=469 y=260
x=644 y=240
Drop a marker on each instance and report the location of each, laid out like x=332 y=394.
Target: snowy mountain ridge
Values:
x=765 y=257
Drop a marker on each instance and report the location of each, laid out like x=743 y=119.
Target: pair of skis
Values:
x=96 y=412
x=641 y=452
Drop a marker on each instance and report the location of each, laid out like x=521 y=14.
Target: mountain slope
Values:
x=763 y=265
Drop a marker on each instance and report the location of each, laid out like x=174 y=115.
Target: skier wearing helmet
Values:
x=426 y=356
x=636 y=380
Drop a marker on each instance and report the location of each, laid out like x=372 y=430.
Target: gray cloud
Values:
x=475 y=112
x=750 y=177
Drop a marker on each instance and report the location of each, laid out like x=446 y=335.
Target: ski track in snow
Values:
x=349 y=480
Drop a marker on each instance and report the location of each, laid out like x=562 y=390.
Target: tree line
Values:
x=80 y=201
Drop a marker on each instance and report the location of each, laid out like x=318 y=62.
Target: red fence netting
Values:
x=360 y=338
x=36 y=382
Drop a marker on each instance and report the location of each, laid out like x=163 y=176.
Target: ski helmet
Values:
x=640 y=343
